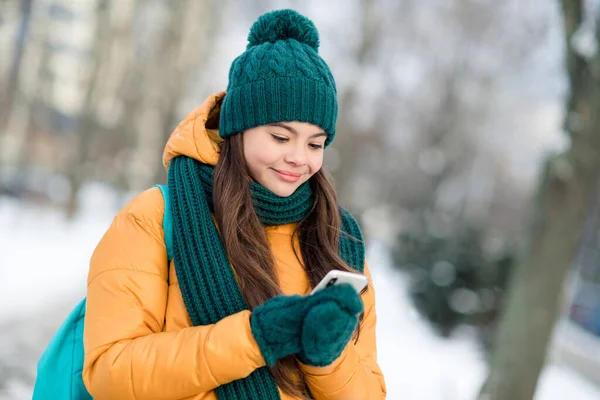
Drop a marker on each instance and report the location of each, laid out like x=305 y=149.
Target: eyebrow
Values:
x=294 y=131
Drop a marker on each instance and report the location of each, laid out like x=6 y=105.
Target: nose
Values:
x=296 y=156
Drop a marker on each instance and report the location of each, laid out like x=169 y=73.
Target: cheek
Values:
x=260 y=155
x=315 y=163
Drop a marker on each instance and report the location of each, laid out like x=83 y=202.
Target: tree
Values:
x=16 y=62
x=32 y=52
x=144 y=82
x=76 y=171
x=559 y=209
x=457 y=222
x=455 y=279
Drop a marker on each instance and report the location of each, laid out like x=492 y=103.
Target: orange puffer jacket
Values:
x=139 y=340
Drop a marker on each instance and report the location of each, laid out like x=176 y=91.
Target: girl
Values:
x=256 y=225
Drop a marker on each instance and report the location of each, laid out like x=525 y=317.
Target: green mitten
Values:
x=277 y=325
x=329 y=324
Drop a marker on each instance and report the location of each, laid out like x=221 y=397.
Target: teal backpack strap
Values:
x=167 y=221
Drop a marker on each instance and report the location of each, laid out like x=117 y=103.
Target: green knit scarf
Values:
x=208 y=285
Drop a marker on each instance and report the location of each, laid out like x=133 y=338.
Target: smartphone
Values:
x=358 y=281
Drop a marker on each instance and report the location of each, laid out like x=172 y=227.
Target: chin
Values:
x=278 y=187
x=282 y=190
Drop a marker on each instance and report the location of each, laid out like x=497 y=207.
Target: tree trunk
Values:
x=17 y=123
x=76 y=171
x=192 y=25
x=16 y=63
x=203 y=22
x=559 y=211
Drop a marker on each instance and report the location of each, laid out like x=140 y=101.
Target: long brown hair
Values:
x=249 y=251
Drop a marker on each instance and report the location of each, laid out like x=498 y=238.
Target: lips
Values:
x=287 y=176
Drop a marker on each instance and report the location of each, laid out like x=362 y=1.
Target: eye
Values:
x=315 y=146
x=280 y=139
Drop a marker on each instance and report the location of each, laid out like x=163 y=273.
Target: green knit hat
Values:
x=280 y=77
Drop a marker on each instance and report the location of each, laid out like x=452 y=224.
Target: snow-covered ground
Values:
x=44 y=263
x=422 y=366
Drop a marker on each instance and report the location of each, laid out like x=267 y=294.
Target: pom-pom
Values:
x=282 y=25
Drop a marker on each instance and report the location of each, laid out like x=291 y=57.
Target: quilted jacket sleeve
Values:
x=127 y=354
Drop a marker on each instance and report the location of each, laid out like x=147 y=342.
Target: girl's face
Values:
x=282 y=156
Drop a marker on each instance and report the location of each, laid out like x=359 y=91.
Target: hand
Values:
x=331 y=318
x=277 y=325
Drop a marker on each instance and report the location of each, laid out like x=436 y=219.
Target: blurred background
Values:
x=468 y=147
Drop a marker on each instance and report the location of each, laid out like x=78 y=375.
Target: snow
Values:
x=419 y=365
x=44 y=267
x=47 y=256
